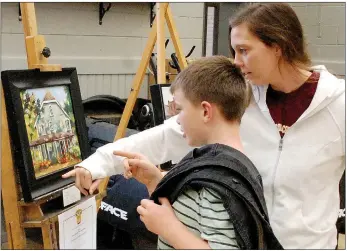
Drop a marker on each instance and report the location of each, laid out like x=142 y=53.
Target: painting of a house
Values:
x=51 y=130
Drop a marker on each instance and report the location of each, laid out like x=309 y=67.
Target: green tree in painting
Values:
x=30 y=113
x=38 y=106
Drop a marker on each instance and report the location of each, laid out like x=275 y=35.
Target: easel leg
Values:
x=15 y=232
x=19 y=242
x=9 y=236
x=175 y=39
x=54 y=235
x=136 y=85
x=161 y=10
x=156 y=33
x=47 y=235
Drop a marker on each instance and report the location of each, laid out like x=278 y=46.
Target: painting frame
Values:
x=158 y=92
x=16 y=81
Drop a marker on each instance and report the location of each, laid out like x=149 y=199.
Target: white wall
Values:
x=104 y=55
x=325 y=29
x=209 y=30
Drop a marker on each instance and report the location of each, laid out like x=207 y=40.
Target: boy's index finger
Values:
x=134 y=162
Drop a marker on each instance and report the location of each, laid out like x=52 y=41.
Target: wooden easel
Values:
x=157 y=34
x=18 y=214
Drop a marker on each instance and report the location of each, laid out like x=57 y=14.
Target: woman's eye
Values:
x=243 y=51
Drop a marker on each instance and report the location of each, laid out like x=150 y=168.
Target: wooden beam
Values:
x=33 y=212
x=34 y=43
x=161 y=10
x=32 y=224
x=136 y=85
x=175 y=38
x=28 y=19
x=135 y=88
x=157 y=30
x=30 y=30
x=35 y=59
x=34 y=46
x=15 y=232
x=48 y=241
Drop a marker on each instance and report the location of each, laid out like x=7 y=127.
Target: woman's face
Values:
x=257 y=61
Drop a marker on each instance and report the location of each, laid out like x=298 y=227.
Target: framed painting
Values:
x=47 y=127
x=163 y=103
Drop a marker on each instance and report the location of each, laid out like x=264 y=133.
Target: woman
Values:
x=293 y=131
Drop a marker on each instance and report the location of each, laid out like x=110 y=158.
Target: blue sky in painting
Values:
x=57 y=92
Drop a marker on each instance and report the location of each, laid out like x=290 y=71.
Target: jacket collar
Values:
x=328 y=89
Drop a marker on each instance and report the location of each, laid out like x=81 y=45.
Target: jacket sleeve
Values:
x=160 y=144
x=337 y=110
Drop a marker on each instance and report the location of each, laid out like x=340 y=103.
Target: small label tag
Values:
x=71 y=195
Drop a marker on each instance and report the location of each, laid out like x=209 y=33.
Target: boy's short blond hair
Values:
x=216 y=80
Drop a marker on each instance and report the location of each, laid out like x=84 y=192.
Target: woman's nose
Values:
x=238 y=61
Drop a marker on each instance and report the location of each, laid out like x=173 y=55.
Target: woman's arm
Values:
x=159 y=144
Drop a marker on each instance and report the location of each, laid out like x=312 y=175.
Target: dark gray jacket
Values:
x=234 y=177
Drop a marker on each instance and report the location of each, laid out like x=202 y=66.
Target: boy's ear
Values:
x=207 y=111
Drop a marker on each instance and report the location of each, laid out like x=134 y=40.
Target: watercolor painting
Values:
x=51 y=130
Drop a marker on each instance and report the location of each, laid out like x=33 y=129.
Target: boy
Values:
x=215 y=191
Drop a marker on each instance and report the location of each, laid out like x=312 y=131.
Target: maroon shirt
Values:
x=286 y=108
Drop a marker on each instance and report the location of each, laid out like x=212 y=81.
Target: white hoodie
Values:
x=300 y=173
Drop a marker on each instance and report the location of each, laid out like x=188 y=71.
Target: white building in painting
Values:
x=53 y=126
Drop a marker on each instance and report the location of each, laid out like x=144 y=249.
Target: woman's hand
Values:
x=83 y=180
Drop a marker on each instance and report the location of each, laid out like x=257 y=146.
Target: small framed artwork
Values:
x=47 y=127
x=163 y=103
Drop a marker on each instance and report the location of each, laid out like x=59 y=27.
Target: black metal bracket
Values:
x=102 y=11
x=19 y=13
x=190 y=52
x=153 y=64
x=174 y=60
x=152 y=14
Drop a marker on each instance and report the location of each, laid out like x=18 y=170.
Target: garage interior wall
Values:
x=106 y=56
